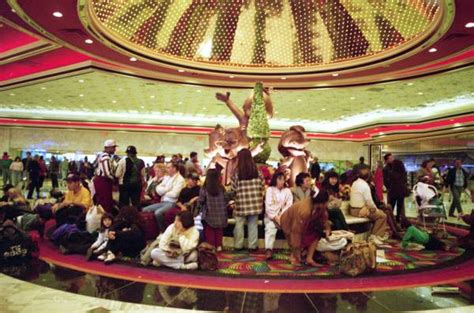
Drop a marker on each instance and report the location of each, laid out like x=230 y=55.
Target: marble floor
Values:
x=50 y=288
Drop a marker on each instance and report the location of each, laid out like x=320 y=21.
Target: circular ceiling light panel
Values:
x=251 y=36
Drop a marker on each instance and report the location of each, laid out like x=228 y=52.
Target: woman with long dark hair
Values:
x=333 y=188
x=398 y=188
x=278 y=199
x=248 y=188
x=304 y=224
x=212 y=198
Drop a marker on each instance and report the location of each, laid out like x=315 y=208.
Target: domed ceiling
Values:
x=271 y=35
x=345 y=69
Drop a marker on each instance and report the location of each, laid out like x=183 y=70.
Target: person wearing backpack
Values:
x=131 y=174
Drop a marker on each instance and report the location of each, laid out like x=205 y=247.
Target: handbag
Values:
x=331 y=245
x=358 y=258
x=93 y=218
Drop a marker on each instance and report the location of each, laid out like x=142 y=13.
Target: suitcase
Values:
x=150 y=225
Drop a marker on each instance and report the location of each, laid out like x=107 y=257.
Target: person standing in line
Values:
x=398 y=190
x=16 y=169
x=248 y=188
x=456 y=180
x=5 y=163
x=54 y=171
x=315 y=169
x=43 y=171
x=105 y=177
x=131 y=175
x=34 y=177
x=378 y=180
x=388 y=159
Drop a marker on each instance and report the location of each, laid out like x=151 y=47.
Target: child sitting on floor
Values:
x=177 y=248
x=98 y=247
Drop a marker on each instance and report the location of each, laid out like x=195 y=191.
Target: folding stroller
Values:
x=430 y=206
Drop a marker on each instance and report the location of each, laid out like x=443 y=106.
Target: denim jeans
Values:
x=456 y=204
x=160 y=209
x=252 y=226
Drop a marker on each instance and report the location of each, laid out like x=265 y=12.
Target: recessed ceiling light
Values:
x=231 y=76
x=199 y=90
x=81 y=80
x=180 y=102
x=133 y=59
x=12 y=94
x=89 y=41
x=378 y=105
x=323 y=109
x=457 y=124
x=469 y=25
x=142 y=107
x=114 y=101
x=299 y=100
x=283 y=78
x=49 y=100
x=410 y=84
x=181 y=71
x=420 y=93
x=152 y=96
x=335 y=74
x=353 y=98
x=432 y=50
x=81 y=95
x=57 y=14
x=43 y=88
x=342 y=116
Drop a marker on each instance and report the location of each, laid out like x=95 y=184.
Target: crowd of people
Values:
x=181 y=195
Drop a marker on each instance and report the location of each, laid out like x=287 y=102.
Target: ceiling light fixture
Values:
x=81 y=95
x=323 y=109
x=299 y=100
x=57 y=14
x=133 y=59
x=113 y=101
x=231 y=76
x=410 y=84
x=12 y=94
x=89 y=41
x=181 y=71
x=335 y=74
x=469 y=25
x=49 y=100
x=353 y=98
x=43 y=88
x=81 y=80
x=420 y=93
x=283 y=78
x=432 y=50
x=152 y=96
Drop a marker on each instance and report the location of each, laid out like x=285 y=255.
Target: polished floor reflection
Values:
x=47 y=275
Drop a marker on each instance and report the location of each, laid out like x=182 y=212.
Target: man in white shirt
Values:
x=177 y=248
x=105 y=176
x=362 y=204
x=169 y=190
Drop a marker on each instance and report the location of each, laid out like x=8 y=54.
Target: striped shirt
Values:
x=105 y=166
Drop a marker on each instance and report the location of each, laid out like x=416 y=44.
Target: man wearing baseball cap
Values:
x=105 y=176
x=76 y=195
x=131 y=175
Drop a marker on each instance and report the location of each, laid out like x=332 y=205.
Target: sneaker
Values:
x=268 y=254
x=189 y=266
x=102 y=256
x=110 y=258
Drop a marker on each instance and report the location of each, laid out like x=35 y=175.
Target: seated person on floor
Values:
x=421 y=237
x=76 y=195
x=304 y=224
x=302 y=190
x=168 y=190
x=14 y=203
x=331 y=185
x=186 y=199
x=125 y=236
x=362 y=205
x=100 y=244
x=177 y=248
x=278 y=199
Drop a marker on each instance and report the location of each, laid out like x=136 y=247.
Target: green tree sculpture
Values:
x=258 y=128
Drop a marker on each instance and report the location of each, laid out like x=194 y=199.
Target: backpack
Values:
x=358 y=258
x=207 y=257
x=15 y=244
x=132 y=171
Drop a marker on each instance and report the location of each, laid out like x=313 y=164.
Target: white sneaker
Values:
x=102 y=256
x=190 y=266
x=110 y=258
